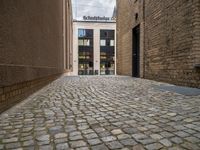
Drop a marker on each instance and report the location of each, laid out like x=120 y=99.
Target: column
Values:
x=97 y=50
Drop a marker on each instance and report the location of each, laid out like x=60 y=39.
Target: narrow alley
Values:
x=99 y=75
x=101 y=113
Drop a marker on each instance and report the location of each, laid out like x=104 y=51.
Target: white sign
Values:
x=98 y=18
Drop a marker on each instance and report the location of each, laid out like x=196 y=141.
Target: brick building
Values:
x=35 y=46
x=159 y=40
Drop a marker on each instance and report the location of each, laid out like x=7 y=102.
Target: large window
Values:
x=107 y=55
x=85 y=42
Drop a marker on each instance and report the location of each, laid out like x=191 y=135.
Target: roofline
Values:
x=94 y=21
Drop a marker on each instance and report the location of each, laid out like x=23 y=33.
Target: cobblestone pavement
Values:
x=102 y=113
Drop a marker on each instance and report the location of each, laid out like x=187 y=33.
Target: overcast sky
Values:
x=92 y=8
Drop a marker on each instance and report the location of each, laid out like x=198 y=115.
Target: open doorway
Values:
x=136 y=52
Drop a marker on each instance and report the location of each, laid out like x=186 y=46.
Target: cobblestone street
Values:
x=102 y=113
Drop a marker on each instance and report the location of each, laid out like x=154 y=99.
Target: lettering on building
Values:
x=98 y=18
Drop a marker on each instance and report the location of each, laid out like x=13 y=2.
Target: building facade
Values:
x=159 y=40
x=35 y=46
x=94 y=48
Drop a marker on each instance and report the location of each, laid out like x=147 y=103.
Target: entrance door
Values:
x=136 y=52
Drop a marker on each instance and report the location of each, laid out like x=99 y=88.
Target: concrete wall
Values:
x=169 y=43
x=34 y=45
x=96 y=26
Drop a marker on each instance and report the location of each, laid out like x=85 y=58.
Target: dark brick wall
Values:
x=170 y=39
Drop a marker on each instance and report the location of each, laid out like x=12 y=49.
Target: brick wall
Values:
x=169 y=44
x=32 y=46
x=171 y=41
x=11 y=95
x=126 y=10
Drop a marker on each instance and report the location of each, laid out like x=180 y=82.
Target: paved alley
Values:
x=102 y=113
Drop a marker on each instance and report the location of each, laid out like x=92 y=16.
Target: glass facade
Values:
x=85 y=52
x=107 y=52
x=88 y=58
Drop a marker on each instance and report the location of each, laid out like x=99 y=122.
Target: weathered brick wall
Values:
x=124 y=34
x=11 y=95
x=128 y=9
x=170 y=40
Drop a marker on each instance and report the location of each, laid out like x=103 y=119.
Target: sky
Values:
x=92 y=8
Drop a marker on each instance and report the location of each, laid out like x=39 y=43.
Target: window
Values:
x=81 y=33
x=112 y=42
x=84 y=42
x=103 y=42
x=105 y=34
x=90 y=64
x=107 y=42
x=80 y=42
x=85 y=33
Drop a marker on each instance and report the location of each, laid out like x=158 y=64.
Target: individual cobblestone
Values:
x=114 y=145
x=94 y=141
x=128 y=142
x=28 y=143
x=116 y=131
x=77 y=144
x=176 y=140
x=102 y=113
x=60 y=135
x=123 y=136
x=62 y=146
x=156 y=136
x=154 y=146
x=100 y=147
x=166 y=142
